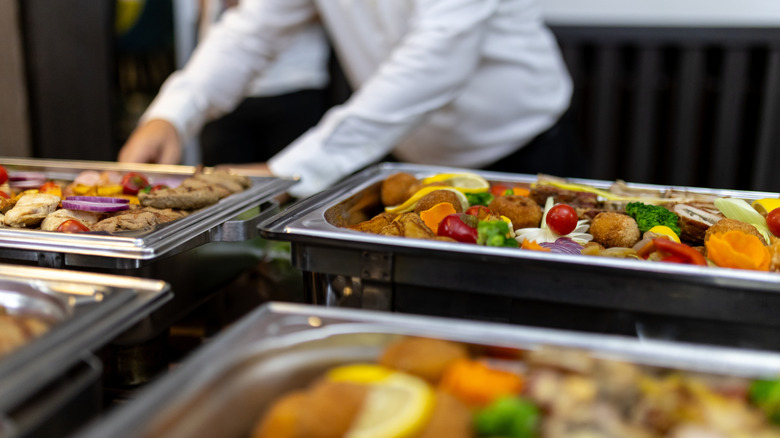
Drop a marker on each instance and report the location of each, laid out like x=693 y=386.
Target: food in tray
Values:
x=17 y=330
x=108 y=201
x=422 y=387
x=555 y=215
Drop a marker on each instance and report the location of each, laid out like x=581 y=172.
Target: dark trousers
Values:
x=260 y=127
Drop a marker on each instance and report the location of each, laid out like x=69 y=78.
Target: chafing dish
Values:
x=223 y=388
x=345 y=268
x=83 y=311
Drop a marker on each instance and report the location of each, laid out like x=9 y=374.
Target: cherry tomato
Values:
x=49 y=187
x=773 y=221
x=3 y=175
x=455 y=227
x=499 y=189
x=132 y=182
x=154 y=188
x=4 y=195
x=72 y=226
x=562 y=219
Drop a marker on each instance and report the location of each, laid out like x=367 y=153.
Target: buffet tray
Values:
x=85 y=312
x=223 y=388
x=346 y=268
x=129 y=250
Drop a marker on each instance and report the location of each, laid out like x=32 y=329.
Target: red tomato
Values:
x=562 y=219
x=4 y=195
x=3 y=175
x=132 y=182
x=773 y=221
x=499 y=189
x=454 y=227
x=48 y=187
x=72 y=226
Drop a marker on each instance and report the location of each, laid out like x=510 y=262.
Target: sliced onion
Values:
x=26 y=176
x=26 y=184
x=171 y=182
x=99 y=199
x=563 y=245
x=101 y=207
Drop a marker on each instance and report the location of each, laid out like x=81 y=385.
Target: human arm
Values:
x=218 y=75
x=424 y=71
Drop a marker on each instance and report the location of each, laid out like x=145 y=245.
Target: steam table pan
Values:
x=345 y=268
x=222 y=389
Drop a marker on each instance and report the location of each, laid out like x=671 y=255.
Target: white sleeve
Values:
x=427 y=70
x=217 y=76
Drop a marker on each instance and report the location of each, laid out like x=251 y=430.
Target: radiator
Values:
x=695 y=107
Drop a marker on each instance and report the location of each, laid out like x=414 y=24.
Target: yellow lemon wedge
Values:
x=395 y=407
x=764 y=206
x=358 y=373
x=464 y=182
x=665 y=231
x=410 y=203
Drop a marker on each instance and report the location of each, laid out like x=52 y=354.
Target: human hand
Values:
x=156 y=141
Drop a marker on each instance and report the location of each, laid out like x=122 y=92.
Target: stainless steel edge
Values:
x=277 y=328
x=25 y=371
x=130 y=250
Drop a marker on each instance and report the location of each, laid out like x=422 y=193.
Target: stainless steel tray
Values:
x=346 y=268
x=280 y=347
x=129 y=250
x=87 y=311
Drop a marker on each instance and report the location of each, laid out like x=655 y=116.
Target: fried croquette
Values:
x=375 y=224
x=614 y=230
x=450 y=418
x=397 y=188
x=523 y=211
x=408 y=225
x=437 y=197
x=422 y=357
x=324 y=411
x=727 y=224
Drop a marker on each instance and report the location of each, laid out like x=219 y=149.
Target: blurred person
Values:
x=281 y=103
x=464 y=83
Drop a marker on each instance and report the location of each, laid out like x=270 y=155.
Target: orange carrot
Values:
x=532 y=245
x=736 y=249
x=434 y=215
x=476 y=384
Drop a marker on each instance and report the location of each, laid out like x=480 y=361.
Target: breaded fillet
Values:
x=30 y=210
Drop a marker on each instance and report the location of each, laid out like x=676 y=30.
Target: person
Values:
x=281 y=103
x=463 y=83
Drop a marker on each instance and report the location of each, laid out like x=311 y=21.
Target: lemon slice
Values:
x=359 y=373
x=764 y=206
x=395 y=407
x=410 y=203
x=464 y=182
x=665 y=231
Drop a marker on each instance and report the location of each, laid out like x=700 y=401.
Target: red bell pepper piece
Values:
x=679 y=252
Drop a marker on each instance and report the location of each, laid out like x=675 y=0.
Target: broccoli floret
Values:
x=479 y=198
x=647 y=216
x=494 y=233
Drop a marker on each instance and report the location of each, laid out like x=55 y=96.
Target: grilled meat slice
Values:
x=137 y=220
x=233 y=183
x=187 y=196
x=31 y=209
x=694 y=221
x=579 y=200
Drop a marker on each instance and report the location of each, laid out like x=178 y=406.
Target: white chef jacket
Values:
x=448 y=82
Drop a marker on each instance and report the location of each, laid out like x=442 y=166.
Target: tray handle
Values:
x=243 y=228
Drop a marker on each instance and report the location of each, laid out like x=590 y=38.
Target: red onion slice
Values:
x=100 y=207
x=563 y=245
x=99 y=199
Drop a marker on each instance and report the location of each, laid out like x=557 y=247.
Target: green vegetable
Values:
x=494 y=233
x=766 y=395
x=483 y=198
x=739 y=209
x=647 y=216
x=509 y=417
